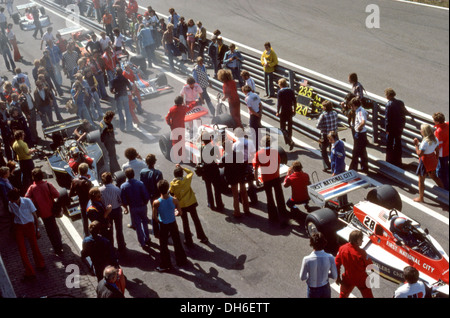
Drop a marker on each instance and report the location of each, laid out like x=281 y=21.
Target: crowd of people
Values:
x=97 y=72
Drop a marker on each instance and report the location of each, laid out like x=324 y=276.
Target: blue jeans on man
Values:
x=123 y=104
x=140 y=221
x=442 y=171
x=7 y=56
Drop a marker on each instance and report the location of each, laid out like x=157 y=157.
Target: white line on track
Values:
x=422 y=4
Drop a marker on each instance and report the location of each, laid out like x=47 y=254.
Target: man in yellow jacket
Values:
x=269 y=61
x=181 y=189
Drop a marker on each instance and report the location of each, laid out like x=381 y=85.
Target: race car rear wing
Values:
x=336 y=186
x=67 y=126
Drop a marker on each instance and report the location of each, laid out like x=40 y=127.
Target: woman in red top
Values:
x=230 y=93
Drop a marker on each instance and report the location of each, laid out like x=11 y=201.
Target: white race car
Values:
x=24 y=18
x=221 y=128
x=390 y=246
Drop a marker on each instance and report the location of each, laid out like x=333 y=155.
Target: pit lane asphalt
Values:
x=245 y=258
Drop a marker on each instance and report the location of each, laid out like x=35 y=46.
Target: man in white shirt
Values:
x=48 y=36
x=412 y=288
x=255 y=110
x=105 y=41
x=317 y=268
x=360 y=137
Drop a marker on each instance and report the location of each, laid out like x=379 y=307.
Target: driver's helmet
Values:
x=74 y=151
x=400 y=225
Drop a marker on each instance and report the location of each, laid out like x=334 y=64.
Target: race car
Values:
x=391 y=239
x=66 y=150
x=25 y=20
x=221 y=129
x=146 y=87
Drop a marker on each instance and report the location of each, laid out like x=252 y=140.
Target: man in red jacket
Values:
x=175 y=119
x=268 y=160
x=355 y=260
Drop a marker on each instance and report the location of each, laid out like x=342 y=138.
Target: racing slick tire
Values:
x=63 y=200
x=120 y=178
x=224 y=119
x=139 y=60
x=165 y=145
x=324 y=221
x=385 y=196
x=93 y=137
x=16 y=18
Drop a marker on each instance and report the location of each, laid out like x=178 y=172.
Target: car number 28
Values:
x=369 y=223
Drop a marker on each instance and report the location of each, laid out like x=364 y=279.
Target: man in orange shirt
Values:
x=108 y=24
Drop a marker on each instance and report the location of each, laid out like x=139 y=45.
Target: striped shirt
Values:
x=111 y=195
x=328 y=121
x=317 y=268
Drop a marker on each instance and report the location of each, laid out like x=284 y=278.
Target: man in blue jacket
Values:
x=135 y=196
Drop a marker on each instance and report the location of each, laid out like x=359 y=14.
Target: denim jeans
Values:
x=101 y=85
x=116 y=217
x=7 y=56
x=46 y=115
x=359 y=151
x=123 y=104
x=83 y=113
x=95 y=106
x=140 y=222
x=150 y=54
x=442 y=171
x=208 y=101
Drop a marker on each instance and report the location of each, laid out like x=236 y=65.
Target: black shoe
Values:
x=291 y=146
x=162 y=269
x=204 y=240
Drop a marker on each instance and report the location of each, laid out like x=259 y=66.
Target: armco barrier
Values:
x=335 y=93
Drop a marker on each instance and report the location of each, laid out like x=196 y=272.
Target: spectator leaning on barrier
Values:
x=286 y=103
x=269 y=61
x=357 y=88
x=427 y=150
x=394 y=124
x=328 y=121
x=317 y=268
x=441 y=134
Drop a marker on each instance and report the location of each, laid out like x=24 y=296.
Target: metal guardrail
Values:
x=336 y=94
